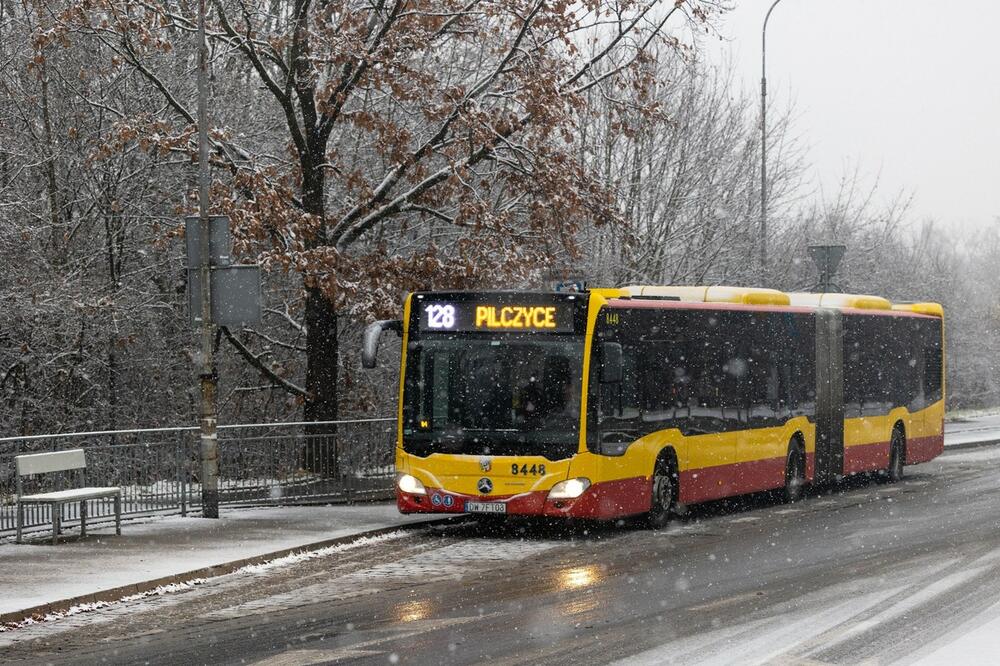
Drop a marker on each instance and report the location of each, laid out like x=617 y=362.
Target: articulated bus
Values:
x=609 y=403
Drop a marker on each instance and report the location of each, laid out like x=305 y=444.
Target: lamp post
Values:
x=763 y=142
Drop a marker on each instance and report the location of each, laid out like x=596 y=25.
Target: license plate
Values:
x=485 y=507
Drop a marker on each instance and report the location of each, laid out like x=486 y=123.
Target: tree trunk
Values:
x=51 y=189
x=321 y=383
x=320 y=454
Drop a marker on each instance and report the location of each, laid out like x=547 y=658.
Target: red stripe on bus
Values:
x=758 y=475
x=866 y=457
x=709 y=483
x=874 y=457
x=922 y=449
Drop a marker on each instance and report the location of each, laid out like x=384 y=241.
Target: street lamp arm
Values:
x=763 y=142
x=763 y=40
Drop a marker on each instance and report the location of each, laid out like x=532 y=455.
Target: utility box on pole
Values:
x=236 y=296
x=220 y=241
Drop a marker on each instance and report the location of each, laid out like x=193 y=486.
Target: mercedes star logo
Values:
x=485 y=486
x=484 y=464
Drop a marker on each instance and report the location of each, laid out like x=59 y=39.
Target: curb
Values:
x=213 y=571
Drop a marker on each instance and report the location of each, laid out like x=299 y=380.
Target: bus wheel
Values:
x=795 y=475
x=663 y=495
x=896 y=457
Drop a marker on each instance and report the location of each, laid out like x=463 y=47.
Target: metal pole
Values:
x=180 y=457
x=209 y=441
x=763 y=143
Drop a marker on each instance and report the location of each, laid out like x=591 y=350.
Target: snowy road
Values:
x=870 y=573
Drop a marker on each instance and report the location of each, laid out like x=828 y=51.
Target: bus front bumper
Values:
x=601 y=501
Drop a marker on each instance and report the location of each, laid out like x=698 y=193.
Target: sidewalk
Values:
x=964 y=430
x=158 y=550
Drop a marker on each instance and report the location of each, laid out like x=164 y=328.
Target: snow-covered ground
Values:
x=808 y=629
x=973 y=642
x=37 y=573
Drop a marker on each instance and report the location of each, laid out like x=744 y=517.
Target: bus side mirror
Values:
x=611 y=362
x=369 y=341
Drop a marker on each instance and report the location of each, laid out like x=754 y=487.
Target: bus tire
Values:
x=795 y=474
x=897 y=457
x=664 y=492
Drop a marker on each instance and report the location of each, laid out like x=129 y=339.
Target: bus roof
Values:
x=745 y=296
x=714 y=294
x=773 y=297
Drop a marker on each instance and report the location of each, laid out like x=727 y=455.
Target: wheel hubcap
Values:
x=662 y=492
x=794 y=476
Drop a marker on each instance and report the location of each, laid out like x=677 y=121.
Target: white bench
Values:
x=44 y=463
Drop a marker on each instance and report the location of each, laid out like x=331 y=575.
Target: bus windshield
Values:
x=493 y=396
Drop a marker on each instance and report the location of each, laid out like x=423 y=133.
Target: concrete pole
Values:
x=206 y=370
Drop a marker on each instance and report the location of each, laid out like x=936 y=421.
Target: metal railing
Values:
x=157 y=469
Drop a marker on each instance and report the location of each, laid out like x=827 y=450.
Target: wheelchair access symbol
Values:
x=443 y=500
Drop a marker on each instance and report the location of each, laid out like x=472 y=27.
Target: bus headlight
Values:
x=410 y=484
x=569 y=489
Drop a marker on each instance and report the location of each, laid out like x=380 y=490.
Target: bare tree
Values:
x=682 y=156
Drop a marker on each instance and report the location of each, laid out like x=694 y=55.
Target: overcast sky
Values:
x=908 y=90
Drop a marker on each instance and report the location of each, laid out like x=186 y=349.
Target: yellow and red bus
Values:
x=608 y=403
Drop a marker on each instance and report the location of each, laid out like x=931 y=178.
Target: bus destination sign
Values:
x=472 y=316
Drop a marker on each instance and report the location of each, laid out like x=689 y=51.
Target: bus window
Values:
x=771 y=369
x=664 y=380
x=876 y=357
x=481 y=398
x=906 y=358
x=707 y=373
x=552 y=393
x=932 y=375
x=802 y=352
x=933 y=361
x=616 y=401
x=853 y=367
x=479 y=395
